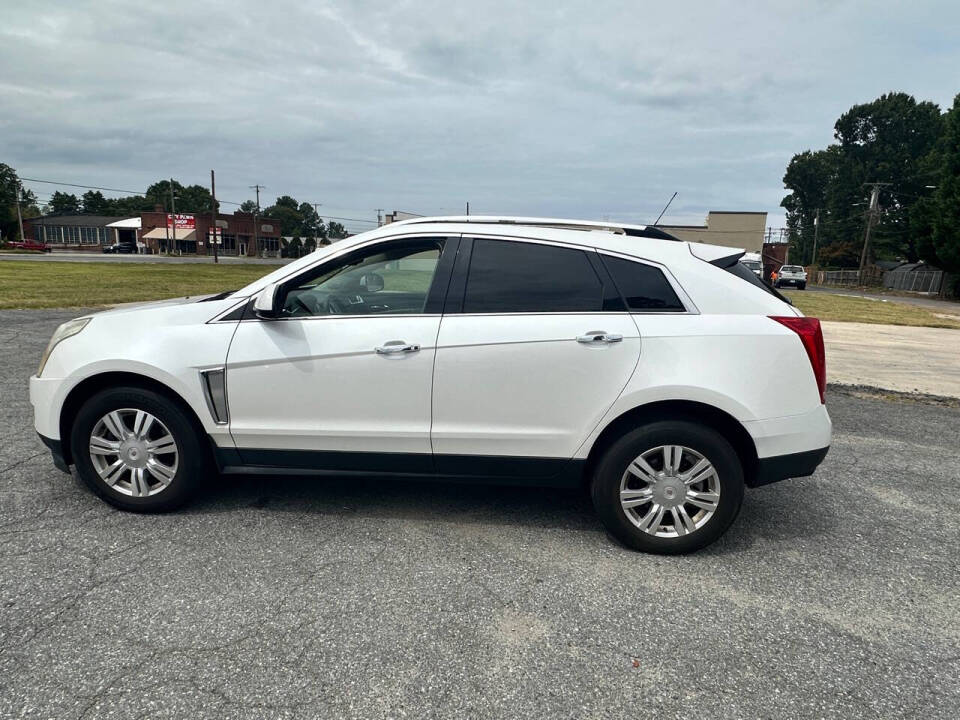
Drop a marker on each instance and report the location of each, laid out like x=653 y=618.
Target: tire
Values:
x=167 y=479
x=802 y=286
x=698 y=443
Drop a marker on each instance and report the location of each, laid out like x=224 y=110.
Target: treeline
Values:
x=299 y=220
x=914 y=148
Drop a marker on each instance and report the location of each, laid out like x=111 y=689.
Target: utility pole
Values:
x=19 y=216
x=213 y=215
x=316 y=240
x=468 y=208
x=871 y=220
x=255 y=213
x=379 y=219
x=816 y=236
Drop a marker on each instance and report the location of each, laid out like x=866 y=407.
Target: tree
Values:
x=286 y=211
x=248 y=206
x=94 y=203
x=10 y=189
x=946 y=220
x=63 y=204
x=336 y=231
x=808 y=177
x=189 y=199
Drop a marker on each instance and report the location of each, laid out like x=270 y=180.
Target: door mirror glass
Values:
x=266 y=303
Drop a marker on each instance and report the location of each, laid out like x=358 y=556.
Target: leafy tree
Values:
x=10 y=188
x=336 y=231
x=63 y=204
x=94 y=203
x=248 y=206
x=294 y=248
x=189 y=199
x=946 y=220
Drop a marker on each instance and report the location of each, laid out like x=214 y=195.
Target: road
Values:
x=834 y=596
x=90 y=257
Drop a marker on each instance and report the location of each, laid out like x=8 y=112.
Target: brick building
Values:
x=193 y=235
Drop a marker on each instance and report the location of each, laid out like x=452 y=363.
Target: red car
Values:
x=29 y=245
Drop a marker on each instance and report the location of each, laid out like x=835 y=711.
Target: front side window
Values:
x=644 y=287
x=515 y=277
x=392 y=279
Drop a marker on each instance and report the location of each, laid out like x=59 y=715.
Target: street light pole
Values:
x=213 y=215
x=816 y=236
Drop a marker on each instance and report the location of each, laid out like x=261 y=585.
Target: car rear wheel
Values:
x=137 y=450
x=802 y=286
x=668 y=487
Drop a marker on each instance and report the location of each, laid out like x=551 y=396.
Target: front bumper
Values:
x=46 y=397
x=56 y=450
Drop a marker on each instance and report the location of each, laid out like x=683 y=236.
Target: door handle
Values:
x=396 y=347
x=599 y=337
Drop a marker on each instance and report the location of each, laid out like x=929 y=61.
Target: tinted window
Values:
x=525 y=277
x=642 y=286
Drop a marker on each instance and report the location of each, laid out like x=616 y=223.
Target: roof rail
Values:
x=648 y=231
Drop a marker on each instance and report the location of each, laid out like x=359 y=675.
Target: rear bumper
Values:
x=56 y=450
x=781 y=467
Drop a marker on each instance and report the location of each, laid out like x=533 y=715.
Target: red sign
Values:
x=181 y=222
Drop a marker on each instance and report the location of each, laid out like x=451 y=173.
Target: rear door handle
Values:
x=396 y=347
x=599 y=337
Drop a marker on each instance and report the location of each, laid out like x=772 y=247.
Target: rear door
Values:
x=534 y=347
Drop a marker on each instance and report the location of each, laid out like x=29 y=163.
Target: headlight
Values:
x=68 y=329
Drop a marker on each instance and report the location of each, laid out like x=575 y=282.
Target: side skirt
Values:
x=479 y=469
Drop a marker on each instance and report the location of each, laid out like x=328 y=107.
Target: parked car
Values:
x=120 y=248
x=754 y=266
x=792 y=276
x=538 y=352
x=29 y=245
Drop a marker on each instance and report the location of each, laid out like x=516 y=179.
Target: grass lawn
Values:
x=853 y=309
x=28 y=284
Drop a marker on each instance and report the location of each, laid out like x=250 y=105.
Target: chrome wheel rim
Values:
x=670 y=491
x=133 y=452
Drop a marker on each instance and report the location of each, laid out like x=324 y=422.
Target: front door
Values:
x=342 y=380
x=530 y=359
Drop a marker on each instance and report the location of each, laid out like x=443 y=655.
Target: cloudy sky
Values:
x=577 y=109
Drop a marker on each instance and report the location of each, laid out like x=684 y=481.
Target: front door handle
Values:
x=396 y=347
x=599 y=337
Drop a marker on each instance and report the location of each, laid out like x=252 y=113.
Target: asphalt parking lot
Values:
x=834 y=596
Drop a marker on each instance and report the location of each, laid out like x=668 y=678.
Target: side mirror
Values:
x=267 y=304
x=371 y=282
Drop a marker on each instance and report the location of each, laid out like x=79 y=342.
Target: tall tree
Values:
x=336 y=231
x=946 y=220
x=62 y=203
x=10 y=188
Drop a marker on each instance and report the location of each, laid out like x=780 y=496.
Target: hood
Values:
x=155 y=304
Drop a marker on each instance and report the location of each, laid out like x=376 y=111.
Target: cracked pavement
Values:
x=834 y=596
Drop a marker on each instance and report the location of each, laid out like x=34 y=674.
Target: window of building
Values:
x=514 y=277
x=644 y=287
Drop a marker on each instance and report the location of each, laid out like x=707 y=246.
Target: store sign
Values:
x=181 y=222
x=215 y=235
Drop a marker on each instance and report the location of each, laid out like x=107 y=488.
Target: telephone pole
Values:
x=316 y=240
x=19 y=216
x=816 y=236
x=213 y=216
x=468 y=208
x=379 y=219
x=256 y=244
x=871 y=220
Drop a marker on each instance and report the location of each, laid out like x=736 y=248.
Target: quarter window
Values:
x=644 y=287
x=514 y=277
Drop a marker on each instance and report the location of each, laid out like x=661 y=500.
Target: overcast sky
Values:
x=579 y=109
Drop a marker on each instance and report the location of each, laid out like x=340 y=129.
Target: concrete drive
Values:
x=893 y=357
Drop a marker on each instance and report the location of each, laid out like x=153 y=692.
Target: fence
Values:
x=871 y=276
x=923 y=281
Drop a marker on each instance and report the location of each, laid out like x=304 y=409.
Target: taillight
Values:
x=812 y=338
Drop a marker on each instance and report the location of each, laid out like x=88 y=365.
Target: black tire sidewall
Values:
x=605 y=488
x=191 y=461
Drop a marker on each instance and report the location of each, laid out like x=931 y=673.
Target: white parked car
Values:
x=792 y=276
x=541 y=352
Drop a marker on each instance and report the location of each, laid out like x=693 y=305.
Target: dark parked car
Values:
x=120 y=248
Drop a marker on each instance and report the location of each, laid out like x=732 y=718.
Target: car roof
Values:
x=641 y=241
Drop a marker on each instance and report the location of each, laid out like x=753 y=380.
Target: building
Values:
x=77 y=232
x=192 y=234
x=188 y=233
x=733 y=229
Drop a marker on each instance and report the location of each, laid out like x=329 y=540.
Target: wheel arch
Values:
x=692 y=411
x=90 y=386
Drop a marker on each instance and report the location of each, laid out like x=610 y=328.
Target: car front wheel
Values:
x=668 y=487
x=137 y=450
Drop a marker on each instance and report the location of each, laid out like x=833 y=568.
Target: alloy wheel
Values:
x=133 y=452
x=670 y=491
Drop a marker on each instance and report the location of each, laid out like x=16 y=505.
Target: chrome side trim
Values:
x=214 y=383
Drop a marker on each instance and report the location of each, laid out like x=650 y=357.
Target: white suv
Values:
x=542 y=352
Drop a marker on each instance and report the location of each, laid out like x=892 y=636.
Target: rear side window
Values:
x=643 y=287
x=512 y=277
